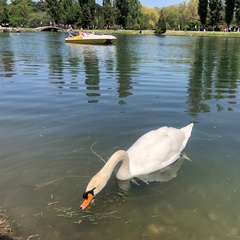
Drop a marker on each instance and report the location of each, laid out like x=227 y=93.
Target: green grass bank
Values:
x=148 y=32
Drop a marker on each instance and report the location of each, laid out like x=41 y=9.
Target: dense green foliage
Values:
x=230 y=4
x=126 y=14
x=215 y=12
x=216 y=15
x=237 y=12
x=202 y=11
x=4 y=14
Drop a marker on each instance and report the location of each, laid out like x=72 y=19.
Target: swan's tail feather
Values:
x=187 y=130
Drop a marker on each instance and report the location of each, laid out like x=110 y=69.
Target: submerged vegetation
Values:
x=5 y=227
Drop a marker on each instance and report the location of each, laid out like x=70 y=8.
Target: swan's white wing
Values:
x=164 y=174
x=155 y=150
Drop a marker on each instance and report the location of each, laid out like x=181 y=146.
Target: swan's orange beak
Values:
x=86 y=201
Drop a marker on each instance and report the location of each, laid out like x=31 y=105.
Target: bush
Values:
x=136 y=27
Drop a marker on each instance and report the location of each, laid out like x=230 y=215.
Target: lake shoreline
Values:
x=173 y=33
x=145 y=32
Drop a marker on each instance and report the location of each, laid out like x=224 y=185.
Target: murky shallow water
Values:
x=57 y=99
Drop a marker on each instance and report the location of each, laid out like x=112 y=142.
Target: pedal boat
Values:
x=91 y=39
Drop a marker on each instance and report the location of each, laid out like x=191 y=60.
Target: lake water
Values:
x=58 y=99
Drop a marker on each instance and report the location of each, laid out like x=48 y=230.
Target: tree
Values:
x=229 y=8
x=39 y=6
x=186 y=12
x=215 y=12
x=19 y=13
x=237 y=13
x=109 y=12
x=72 y=12
x=202 y=11
x=15 y=2
x=88 y=12
x=54 y=9
x=92 y=7
x=161 y=25
x=4 y=14
x=99 y=19
x=172 y=18
x=126 y=13
x=189 y=17
x=86 y=16
x=150 y=17
x=37 y=18
x=107 y=2
x=122 y=14
x=134 y=14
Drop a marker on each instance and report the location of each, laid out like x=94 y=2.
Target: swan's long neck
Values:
x=123 y=172
x=98 y=182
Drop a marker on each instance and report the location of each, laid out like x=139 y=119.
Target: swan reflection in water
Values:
x=163 y=175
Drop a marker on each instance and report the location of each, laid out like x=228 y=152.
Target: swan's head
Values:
x=87 y=196
x=96 y=184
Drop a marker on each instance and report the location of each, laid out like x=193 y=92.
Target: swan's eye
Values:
x=85 y=194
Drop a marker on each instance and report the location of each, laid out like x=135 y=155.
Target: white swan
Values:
x=153 y=151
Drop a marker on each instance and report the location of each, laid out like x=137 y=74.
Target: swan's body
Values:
x=153 y=151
